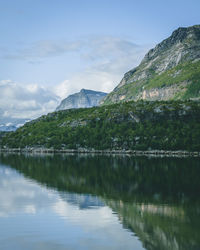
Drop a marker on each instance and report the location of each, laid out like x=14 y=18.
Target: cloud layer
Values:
x=43 y=49
x=103 y=60
x=106 y=59
x=19 y=101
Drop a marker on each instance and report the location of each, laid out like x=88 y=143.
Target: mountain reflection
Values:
x=157 y=199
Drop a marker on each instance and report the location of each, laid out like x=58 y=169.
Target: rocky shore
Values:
x=166 y=153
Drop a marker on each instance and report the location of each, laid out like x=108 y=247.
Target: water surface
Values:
x=99 y=202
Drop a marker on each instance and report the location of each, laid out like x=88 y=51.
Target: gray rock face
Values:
x=83 y=99
x=183 y=46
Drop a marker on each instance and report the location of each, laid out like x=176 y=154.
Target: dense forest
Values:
x=171 y=125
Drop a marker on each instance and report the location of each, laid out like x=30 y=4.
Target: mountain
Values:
x=170 y=71
x=83 y=99
x=169 y=75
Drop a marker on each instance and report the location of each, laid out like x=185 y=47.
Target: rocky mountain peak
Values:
x=181 y=39
x=182 y=33
x=181 y=48
x=83 y=90
x=84 y=99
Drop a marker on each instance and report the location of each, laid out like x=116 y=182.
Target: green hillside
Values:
x=133 y=125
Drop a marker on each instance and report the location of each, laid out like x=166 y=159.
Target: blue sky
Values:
x=61 y=46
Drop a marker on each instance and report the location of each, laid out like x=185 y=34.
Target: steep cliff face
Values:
x=83 y=99
x=169 y=71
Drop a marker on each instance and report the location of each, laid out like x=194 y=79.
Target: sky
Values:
x=52 y=48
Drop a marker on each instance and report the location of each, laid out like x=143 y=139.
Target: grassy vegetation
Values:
x=183 y=72
x=132 y=125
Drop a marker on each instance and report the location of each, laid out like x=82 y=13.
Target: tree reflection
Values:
x=158 y=199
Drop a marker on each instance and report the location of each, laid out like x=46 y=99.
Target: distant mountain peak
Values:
x=83 y=90
x=86 y=98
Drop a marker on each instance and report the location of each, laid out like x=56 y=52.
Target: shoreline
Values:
x=161 y=153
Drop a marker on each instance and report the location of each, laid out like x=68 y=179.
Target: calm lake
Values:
x=99 y=202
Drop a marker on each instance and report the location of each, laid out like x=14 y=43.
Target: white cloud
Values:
x=107 y=59
x=25 y=101
x=91 y=217
x=89 y=79
x=43 y=49
x=63 y=89
x=104 y=60
x=19 y=195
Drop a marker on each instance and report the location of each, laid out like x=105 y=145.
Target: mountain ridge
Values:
x=175 y=54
